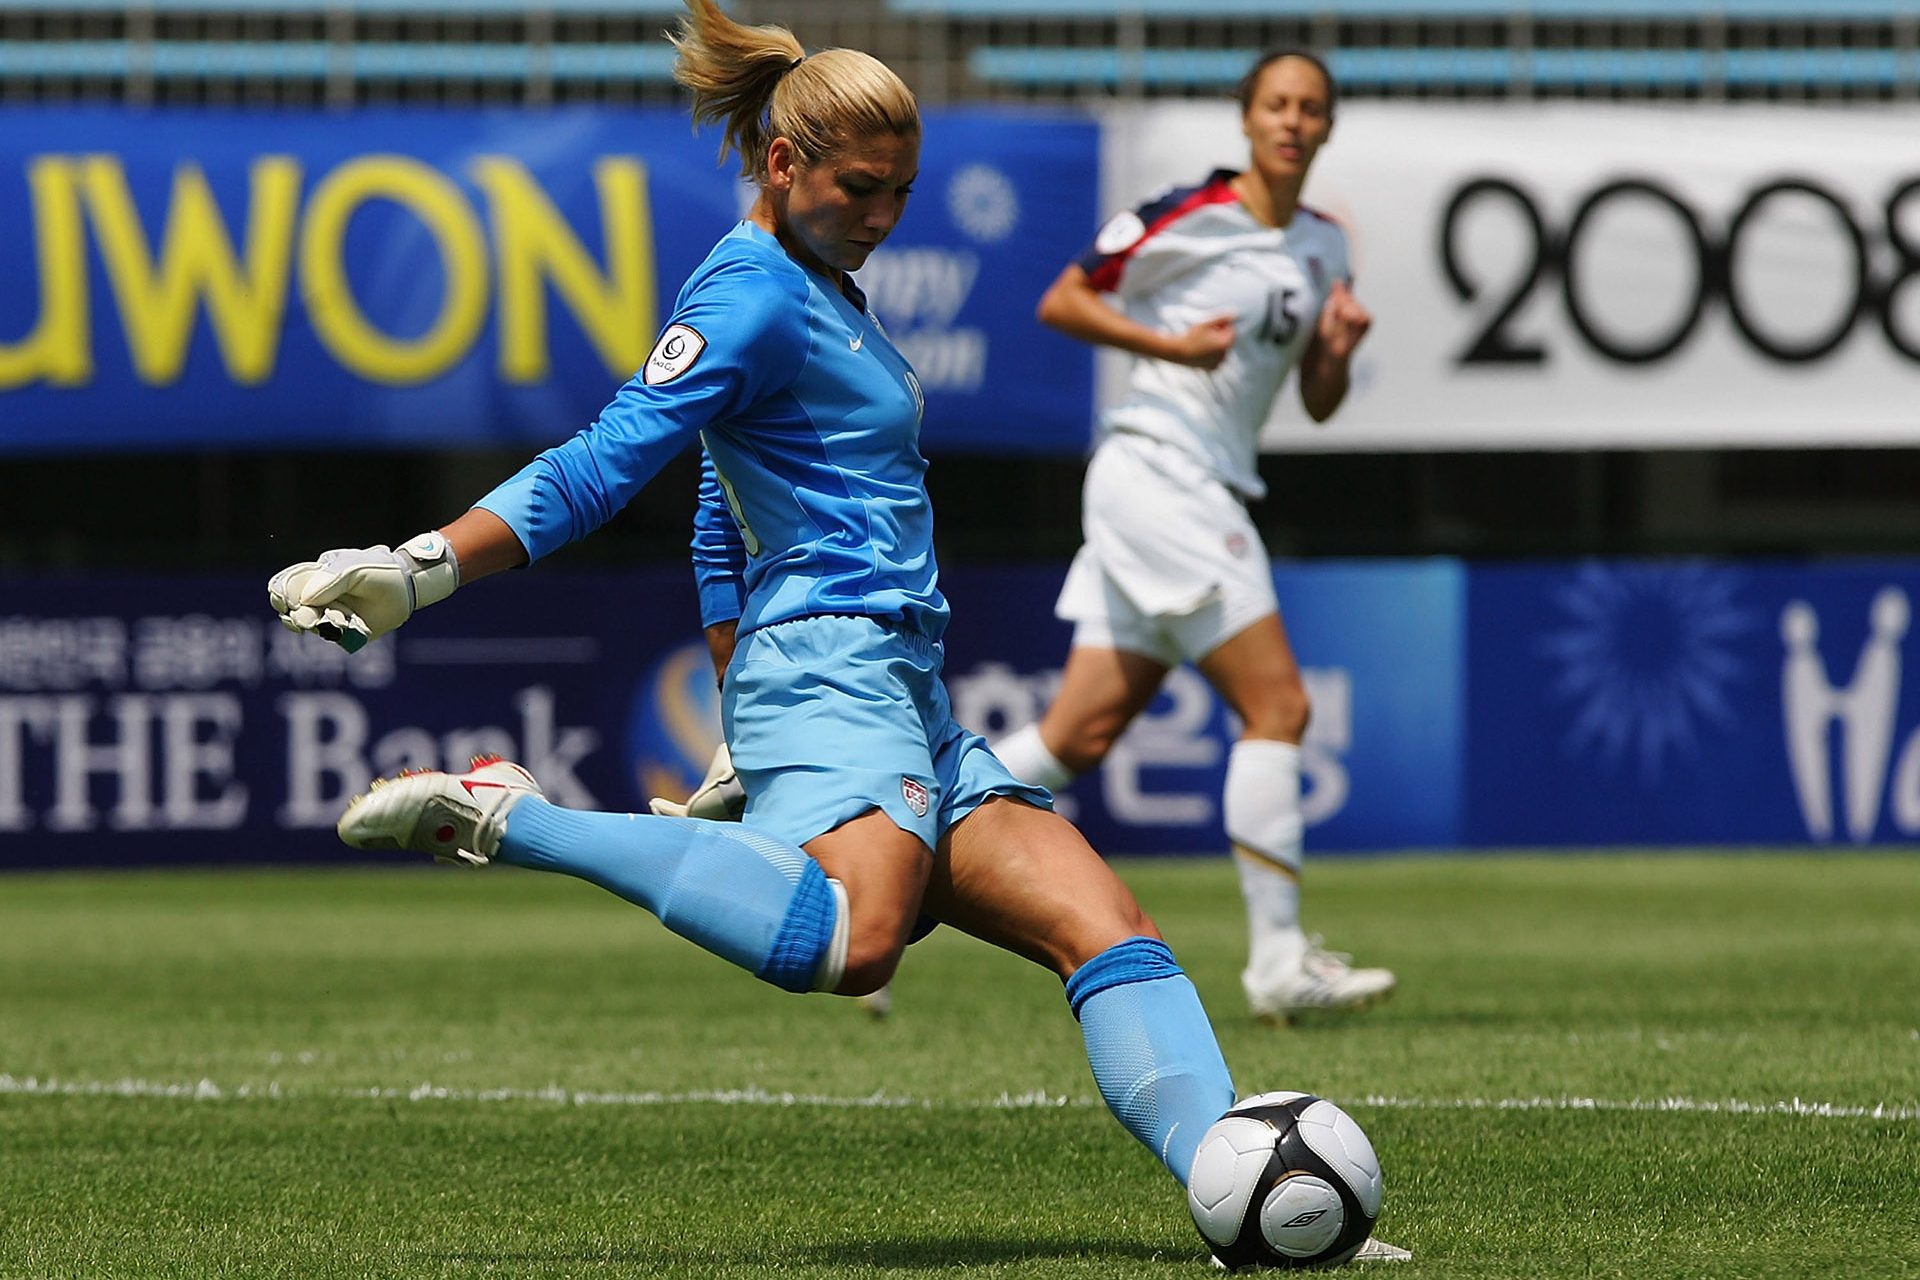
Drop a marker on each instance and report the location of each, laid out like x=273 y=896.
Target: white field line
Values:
x=1708 y=1106
x=208 y=1091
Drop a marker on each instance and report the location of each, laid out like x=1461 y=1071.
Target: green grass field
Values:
x=1591 y=1068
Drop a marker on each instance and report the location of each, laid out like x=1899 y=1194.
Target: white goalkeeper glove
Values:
x=719 y=796
x=351 y=596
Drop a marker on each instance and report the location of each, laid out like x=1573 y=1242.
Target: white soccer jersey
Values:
x=1190 y=255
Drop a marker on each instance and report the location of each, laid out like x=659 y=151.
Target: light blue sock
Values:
x=743 y=895
x=1151 y=1048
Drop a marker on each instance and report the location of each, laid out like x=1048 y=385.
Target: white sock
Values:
x=833 y=965
x=1262 y=805
x=1028 y=759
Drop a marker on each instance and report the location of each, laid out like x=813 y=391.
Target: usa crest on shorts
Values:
x=915 y=795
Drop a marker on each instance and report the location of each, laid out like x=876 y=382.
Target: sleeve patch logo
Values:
x=1121 y=233
x=673 y=355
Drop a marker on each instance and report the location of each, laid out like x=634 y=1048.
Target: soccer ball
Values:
x=1284 y=1180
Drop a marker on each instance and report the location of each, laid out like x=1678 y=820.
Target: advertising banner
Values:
x=183 y=279
x=1692 y=703
x=1598 y=275
x=1379 y=645
x=1609 y=703
x=174 y=720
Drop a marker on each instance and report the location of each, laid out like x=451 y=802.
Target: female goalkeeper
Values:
x=870 y=808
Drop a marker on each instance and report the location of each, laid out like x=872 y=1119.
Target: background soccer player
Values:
x=1221 y=290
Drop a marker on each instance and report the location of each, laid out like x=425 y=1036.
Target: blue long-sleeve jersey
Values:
x=811 y=420
x=719 y=553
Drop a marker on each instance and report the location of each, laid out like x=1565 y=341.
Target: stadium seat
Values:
x=1482 y=68
x=1010 y=48
x=663 y=9
x=318 y=60
x=1416 y=10
x=1452 y=69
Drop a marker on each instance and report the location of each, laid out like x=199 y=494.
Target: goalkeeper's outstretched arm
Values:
x=353 y=595
x=483 y=544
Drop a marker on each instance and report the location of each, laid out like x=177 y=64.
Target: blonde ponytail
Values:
x=763 y=85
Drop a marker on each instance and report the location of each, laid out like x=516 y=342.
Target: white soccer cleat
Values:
x=1378 y=1250
x=457 y=817
x=878 y=1004
x=1374 y=1250
x=1322 y=981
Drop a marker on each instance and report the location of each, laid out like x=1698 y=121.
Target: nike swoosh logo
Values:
x=473 y=788
x=855 y=341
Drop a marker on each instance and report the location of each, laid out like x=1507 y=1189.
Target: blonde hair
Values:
x=763 y=84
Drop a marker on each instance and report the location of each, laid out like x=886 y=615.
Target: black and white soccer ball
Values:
x=1284 y=1180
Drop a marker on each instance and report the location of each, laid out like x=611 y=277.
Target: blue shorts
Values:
x=833 y=715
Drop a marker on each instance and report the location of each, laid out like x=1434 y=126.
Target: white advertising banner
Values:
x=1599 y=275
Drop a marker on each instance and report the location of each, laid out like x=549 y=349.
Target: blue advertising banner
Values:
x=1692 y=703
x=1379 y=645
x=173 y=719
x=1609 y=703
x=180 y=279
x=152 y=719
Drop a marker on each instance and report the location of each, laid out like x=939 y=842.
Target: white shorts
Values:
x=1172 y=566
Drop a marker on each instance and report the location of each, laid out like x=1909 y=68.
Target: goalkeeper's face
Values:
x=839 y=208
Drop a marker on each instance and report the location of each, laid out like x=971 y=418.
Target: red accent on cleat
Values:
x=443 y=832
x=481 y=762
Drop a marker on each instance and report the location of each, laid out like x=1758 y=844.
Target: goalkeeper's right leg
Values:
x=742 y=894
